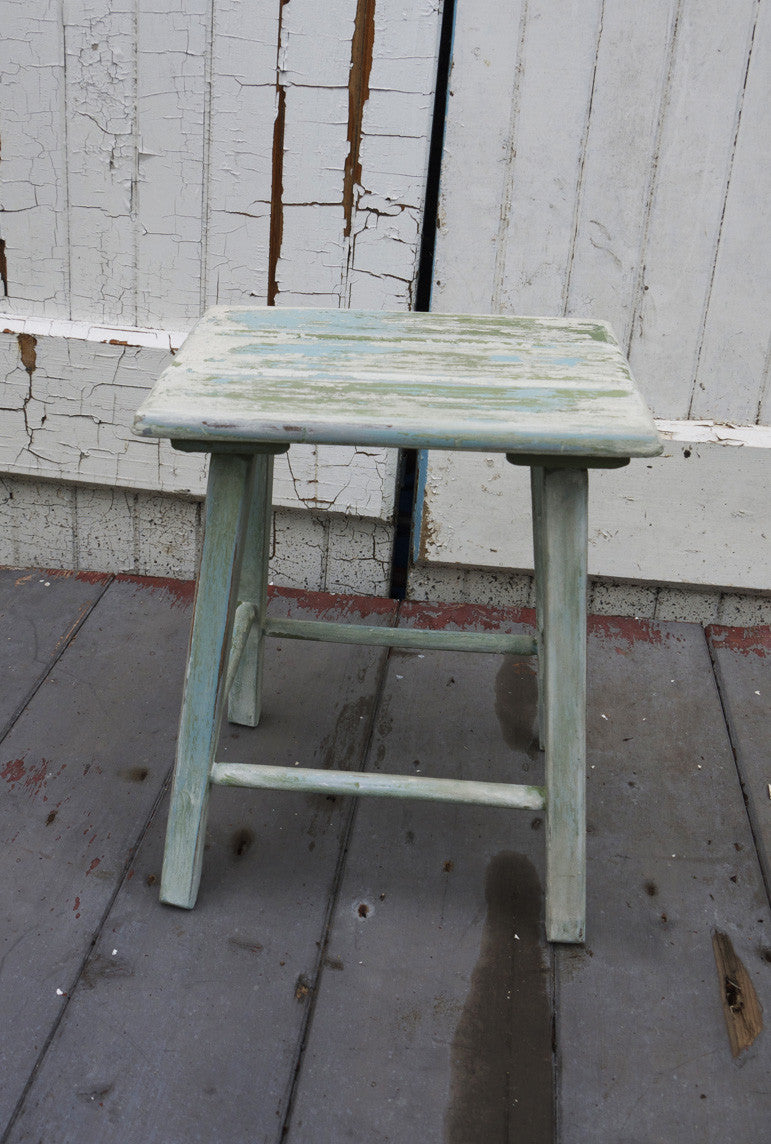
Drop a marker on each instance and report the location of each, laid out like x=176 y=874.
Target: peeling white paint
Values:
x=70 y=421
x=136 y=179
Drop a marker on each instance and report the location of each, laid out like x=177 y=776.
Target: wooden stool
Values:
x=552 y=394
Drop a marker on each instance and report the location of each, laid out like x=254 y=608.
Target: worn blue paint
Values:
x=537 y=389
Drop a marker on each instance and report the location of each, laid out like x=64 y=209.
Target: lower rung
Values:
x=510 y=795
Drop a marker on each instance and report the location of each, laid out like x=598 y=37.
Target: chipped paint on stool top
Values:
x=533 y=385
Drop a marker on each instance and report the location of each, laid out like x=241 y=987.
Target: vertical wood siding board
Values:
x=581 y=167
x=464 y=263
x=172 y=48
x=206 y=164
x=64 y=124
x=243 y=84
x=726 y=187
x=552 y=123
x=100 y=134
x=631 y=67
x=650 y=190
x=499 y=270
x=135 y=176
x=693 y=163
x=393 y=157
x=703 y=396
x=33 y=173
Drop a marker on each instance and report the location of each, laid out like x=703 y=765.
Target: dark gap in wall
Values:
x=404 y=509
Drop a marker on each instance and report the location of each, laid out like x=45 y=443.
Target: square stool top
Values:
x=545 y=386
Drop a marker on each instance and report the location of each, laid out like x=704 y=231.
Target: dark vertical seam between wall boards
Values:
x=434 y=169
x=756 y=840
x=72 y=988
x=407 y=466
x=290 y=1096
x=277 y=177
x=65 y=643
x=510 y=154
x=638 y=289
x=718 y=237
x=3 y=267
x=581 y=165
x=765 y=385
x=206 y=159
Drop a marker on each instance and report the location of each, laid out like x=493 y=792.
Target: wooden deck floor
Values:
x=377 y=971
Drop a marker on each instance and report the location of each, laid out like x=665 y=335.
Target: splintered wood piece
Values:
x=742 y=1010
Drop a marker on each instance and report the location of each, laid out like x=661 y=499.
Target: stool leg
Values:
x=245 y=700
x=563 y=528
x=227 y=506
x=536 y=494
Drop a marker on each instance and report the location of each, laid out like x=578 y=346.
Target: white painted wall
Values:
x=604 y=158
x=610 y=160
x=157 y=158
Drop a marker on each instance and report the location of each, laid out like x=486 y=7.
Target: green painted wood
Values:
x=563 y=527
x=539 y=460
x=510 y=795
x=227 y=507
x=642 y=1047
x=403 y=637
x=536 y=497
x=251 y=448
x=243 y=623
x=412 y=380
x=244 y=700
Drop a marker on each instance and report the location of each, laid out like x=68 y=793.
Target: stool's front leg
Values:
x=227 y=507
x=562 y=544
x=245 y=700
x=536 y=493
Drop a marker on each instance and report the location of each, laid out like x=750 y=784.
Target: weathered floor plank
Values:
x=433 y=1019
x=428 y=1013
x=39 y=611
x=643 y=1054
x=83 y=765
x=742 y=662
x=185 y=1026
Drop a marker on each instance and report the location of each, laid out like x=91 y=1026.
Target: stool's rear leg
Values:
x=536 y=493
x=227 y=507
x=245 y=700
x=564 y=542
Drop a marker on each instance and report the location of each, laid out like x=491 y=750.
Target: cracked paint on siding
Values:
x=160 y=157
x=362 y=47
x=277 y=180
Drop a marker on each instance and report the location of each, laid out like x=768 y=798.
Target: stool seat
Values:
x=552 y=394
x=410 y=380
